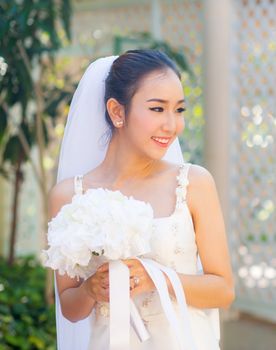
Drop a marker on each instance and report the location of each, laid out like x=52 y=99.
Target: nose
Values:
x=169 y=124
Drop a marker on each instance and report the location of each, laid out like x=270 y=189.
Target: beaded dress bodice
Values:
x=173 y=245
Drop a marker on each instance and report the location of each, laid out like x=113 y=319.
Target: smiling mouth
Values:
x=162 y=141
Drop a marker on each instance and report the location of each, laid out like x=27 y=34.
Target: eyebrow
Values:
x=163 y=101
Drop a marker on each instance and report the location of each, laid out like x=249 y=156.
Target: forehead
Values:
x=165 y=81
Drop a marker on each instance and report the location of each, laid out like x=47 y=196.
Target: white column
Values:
x=217 y=105
x=156 y=19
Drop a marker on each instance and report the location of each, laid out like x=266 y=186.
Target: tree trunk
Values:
x=17 y=186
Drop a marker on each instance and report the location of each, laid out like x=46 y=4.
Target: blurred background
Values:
x=226 y=50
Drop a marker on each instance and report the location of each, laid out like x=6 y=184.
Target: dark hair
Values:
x=127 y=72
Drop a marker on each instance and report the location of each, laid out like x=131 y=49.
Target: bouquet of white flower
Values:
x=100 y=226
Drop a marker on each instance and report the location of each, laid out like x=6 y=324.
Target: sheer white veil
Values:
x=83 y=147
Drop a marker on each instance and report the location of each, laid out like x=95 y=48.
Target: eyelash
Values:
x=180 y=110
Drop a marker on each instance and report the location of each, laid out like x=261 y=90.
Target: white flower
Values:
x=98 y=226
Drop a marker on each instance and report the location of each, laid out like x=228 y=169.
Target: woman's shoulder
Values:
x=196 y=174
x=201 y=186
x=199 y=175
x=60 y=194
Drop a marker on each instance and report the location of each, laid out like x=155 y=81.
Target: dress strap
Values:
x=183 y=182
x=78 y=184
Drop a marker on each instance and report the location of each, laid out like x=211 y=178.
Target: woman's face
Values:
x=155 y=117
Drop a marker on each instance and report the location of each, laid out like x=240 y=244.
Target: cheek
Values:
x=180 y=126
x=142 y=122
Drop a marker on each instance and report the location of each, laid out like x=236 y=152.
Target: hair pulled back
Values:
x=127 y=72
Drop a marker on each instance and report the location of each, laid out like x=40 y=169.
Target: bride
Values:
x=121 y=134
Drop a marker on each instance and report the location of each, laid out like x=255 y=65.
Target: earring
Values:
x=119 y=122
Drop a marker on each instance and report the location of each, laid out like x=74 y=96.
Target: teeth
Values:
x=161 y=140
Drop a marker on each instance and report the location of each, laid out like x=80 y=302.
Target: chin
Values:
x=157 y=155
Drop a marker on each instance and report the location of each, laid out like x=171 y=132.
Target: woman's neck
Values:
x=121 y=164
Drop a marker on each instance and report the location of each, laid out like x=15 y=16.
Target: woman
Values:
x=141 y=97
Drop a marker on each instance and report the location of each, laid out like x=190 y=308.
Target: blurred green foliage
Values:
x=31 y=32
x=26 y=321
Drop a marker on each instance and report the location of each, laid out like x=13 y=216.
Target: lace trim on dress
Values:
x=78 y=184
x=183 y=182
x=181 y=189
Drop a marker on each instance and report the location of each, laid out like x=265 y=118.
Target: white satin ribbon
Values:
x=137 y=323
x=185 y=335
x=119 y=302
x=121 y=306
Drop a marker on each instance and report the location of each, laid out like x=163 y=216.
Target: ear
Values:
x=115 y=110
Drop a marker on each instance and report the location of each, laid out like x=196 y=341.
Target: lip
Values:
x=163 y=145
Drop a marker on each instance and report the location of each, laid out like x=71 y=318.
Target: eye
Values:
x=157 y=109
x=181 y=110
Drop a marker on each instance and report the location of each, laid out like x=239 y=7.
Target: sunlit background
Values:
x=226 y=50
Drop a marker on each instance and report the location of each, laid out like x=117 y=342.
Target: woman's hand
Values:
x=137 y=272
x=97 y=285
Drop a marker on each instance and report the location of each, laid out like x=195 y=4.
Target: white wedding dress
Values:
x=174 y=245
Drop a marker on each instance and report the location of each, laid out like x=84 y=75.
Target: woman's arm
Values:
x=76 y=298
x=216 y=287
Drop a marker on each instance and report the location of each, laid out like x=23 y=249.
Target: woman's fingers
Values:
x=132 y=263
x=105 y=283
x=103 y=268
x=102 y=294
x=136 y=291
x=98 y=286
x=105 y=294
x=131 y=283
x=139 y=280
